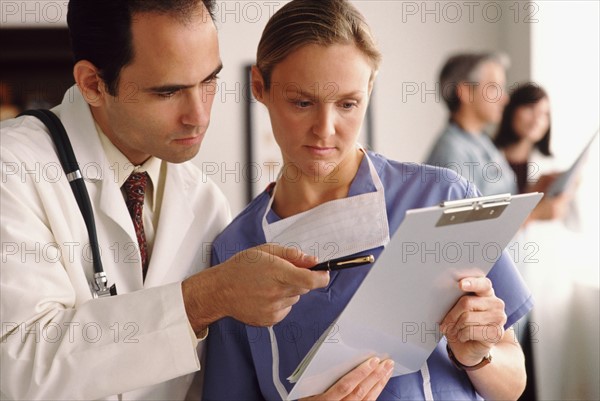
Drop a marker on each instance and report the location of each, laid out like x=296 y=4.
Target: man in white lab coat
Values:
x=146 y=75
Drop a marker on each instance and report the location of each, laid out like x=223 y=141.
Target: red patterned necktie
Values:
x=135 y=188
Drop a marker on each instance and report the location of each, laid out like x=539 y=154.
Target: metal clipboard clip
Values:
x=473 y=209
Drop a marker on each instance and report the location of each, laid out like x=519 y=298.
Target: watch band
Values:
x=486 y=360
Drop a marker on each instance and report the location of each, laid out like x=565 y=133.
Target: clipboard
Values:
x=566 y=180
x=396 y=311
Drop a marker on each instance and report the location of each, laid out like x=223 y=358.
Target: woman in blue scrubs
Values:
x=316 y=64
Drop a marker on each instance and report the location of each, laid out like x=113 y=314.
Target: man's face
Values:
x=165 y=94
x=487 y=98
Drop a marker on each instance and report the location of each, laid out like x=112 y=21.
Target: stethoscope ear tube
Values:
x=71 y=167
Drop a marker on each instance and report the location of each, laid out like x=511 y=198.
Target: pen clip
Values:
x=343 y=263
x=358 y=260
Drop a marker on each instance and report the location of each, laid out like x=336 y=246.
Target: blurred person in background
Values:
x=524 y=138
x=473 y=86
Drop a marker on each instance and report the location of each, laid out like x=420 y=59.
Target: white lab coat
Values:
x=56 y=341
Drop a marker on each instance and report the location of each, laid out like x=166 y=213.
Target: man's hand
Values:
x=476 y=323
x=365 y=382
x=257 y=286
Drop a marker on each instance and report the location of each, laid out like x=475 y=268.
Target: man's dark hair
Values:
x=464 y=68
x=100 y=30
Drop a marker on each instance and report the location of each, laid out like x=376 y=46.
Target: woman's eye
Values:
x=349 y=105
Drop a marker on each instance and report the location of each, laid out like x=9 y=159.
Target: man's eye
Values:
x=303 y=103
x=167 y=95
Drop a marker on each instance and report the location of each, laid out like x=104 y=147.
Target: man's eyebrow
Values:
x=175 y=87
x=215 y=72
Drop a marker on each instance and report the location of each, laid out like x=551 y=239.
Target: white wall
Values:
x=29 y=13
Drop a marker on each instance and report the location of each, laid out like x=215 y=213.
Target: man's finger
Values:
x=282 y=271
x=291 y=254
x=291 y=276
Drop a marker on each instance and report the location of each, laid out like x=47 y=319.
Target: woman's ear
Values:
x=258 y=84
x=89 y=82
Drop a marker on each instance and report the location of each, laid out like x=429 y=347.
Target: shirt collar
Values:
x=471 y=137
x=121 y=167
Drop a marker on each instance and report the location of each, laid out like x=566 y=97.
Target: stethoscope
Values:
x=99 y=284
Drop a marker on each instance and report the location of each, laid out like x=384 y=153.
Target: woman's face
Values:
x=531 y=121
x=317 y=103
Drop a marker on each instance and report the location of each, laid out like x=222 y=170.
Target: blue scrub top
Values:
x=239 y=357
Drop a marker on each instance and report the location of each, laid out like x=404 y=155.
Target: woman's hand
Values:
x=476 y=323
x=543 y=183
x=365 y=382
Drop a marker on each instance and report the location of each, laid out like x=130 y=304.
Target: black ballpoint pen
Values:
x=343 y=263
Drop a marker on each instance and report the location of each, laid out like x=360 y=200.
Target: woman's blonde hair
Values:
x=320 y=22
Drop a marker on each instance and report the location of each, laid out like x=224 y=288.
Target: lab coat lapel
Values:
x=171 y=248
x=99 y=177
x=105 y=195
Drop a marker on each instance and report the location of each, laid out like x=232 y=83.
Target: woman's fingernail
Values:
x=466 y=284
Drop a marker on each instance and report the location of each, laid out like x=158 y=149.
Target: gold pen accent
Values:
x=343 y=263
x=361 y=260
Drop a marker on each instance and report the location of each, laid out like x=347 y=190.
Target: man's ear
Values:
x=258 y=84
x=464 y=92
x=89 y=82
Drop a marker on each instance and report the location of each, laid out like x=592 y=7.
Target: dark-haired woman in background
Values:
x=523 y=135
x=525 y=129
